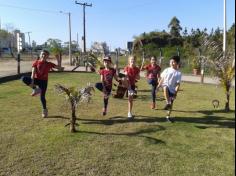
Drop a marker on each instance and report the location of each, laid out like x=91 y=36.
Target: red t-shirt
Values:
x=108 y=76
x=153 y=71
x=132 y=73
x=42 y=69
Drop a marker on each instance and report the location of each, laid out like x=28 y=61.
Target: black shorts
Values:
x=108 y=89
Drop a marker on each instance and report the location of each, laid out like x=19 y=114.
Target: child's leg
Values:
x=130 y=104
x=27 y=80
x=168 y=118
x=105 y=102
x=130 y=100
x=166 y=95
x=99 y=86
x=43 y=86
x=154 y=87
x=106 y=98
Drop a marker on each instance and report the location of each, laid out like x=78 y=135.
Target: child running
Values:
x=153 y=75
x=39 y=78
x=170 y=81
x=105 y=85
x=132 y=74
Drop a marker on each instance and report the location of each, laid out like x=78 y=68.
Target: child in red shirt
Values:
x=132 y=74
x=153 y=75
x=39 y=78
x=105 y=85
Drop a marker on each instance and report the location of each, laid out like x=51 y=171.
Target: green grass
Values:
x=201 y=142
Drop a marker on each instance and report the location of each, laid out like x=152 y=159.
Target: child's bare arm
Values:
x=32 y=75
x=177 y=89
x=116 y=77
x=160 y=83
x=102 y=79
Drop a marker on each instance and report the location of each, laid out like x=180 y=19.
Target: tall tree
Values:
x=175 y=27
x=185 y=32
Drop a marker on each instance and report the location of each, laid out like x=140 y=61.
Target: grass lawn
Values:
x=201 y=142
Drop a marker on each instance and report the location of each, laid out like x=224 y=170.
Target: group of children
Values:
x=169 y=80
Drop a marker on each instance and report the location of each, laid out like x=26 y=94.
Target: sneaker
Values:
x=130 y=116
x=168 y=119
x=104 y=112
x=153 y=105
x=167 y=107
x=131 y=92
x=45 y=113
x=36 y=91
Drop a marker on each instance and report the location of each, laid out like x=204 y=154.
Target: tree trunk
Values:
x=227 y=109
x=73 y=121
x=58 y=57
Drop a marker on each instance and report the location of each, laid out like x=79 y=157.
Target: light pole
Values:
x=160 y=60
x=69 y=18
x=29 y=44
x=224 y=38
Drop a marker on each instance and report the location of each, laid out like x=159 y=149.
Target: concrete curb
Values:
x=13 y=77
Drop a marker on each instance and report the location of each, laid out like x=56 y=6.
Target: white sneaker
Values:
x=45 y=113
x=130 y=116
x=36 y=91
x=130 y=92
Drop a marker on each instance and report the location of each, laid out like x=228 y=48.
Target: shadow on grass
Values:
x=206 y=112
x=211 y=121
x=146 y=90
x=122 y=120
x=148 y=98
x=140 y=134
x=57 y=117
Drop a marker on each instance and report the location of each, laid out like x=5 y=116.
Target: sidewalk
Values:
x=9 y=68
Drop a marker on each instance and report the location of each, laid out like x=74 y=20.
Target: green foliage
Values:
x=196 y=63
x=231 y=37
x=223 y=64
x=175 y=27
x=54 y=46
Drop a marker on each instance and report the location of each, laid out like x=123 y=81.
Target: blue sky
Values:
x=115 y=22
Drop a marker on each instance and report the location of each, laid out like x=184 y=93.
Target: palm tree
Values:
x=223 y=64
x=73 y=97
x=56 y=49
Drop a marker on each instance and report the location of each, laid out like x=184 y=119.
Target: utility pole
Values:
x=84 y=20
x=70 y=39
x=224 y=40
x=178 y=52
x=160 y=60
x=84 y=37
x=77 y=40
x=30 y=44
x=69 y=20
x=202 y=65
